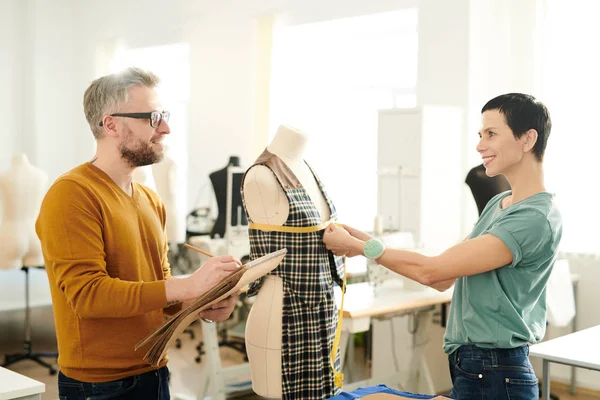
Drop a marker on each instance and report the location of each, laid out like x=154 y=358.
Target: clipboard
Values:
x=167 y=333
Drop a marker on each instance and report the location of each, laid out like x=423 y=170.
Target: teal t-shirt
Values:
x=506 y=307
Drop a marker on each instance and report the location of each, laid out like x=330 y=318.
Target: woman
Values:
x=501 y=269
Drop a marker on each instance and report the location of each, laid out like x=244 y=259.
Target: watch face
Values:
x=374 y=248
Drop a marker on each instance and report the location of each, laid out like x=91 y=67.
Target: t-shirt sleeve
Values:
x=524 y=231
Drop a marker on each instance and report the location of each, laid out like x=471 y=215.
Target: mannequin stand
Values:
x=235 y=340
x=180 y=265
x=28 y=354
x=190 y=332
x=238 y=345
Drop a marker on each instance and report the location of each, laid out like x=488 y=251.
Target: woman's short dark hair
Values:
x=522 y=113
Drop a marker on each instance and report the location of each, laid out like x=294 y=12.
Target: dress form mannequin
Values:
x=484 y=187
x=219 y=183
x=22 y=188
x=265 y=200
x=267 y=203
x=165 y=175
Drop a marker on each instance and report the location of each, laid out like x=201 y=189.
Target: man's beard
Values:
x=138 y=155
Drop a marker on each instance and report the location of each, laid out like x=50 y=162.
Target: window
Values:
x=329 y=79
x=570 y=88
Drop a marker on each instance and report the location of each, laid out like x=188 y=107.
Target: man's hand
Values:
x=205 y=278
x=221 y=310
x=211 y=273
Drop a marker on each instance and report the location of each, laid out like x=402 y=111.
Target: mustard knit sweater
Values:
x=106 y=258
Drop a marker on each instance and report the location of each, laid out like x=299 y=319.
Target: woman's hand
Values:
x=357 y=234
x=341 y=242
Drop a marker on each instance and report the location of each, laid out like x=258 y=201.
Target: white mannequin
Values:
x=266 y=203
x=165 y=178
x=22 y=188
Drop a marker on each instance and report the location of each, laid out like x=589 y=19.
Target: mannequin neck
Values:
x=20 y=159
x=289 y=143
x=234 y=161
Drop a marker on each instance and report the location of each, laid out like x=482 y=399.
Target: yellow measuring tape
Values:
x=337 y=375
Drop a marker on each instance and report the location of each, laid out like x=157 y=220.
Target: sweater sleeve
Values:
x=165 y=260
x=69 y=226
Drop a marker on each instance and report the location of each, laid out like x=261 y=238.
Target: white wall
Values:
x=36 y=73
x=221 y=35
x=12 y=19
x=54 y=96
x=443 y=81
x=63 y=50
x=443 y=66
x=502 y=59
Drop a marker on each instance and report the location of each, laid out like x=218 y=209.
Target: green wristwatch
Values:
x=374 y=248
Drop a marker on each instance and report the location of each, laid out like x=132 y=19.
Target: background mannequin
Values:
x=165 y=175
x=22 y=188
x=219 y=182
x=484 y=187
x=267 y=203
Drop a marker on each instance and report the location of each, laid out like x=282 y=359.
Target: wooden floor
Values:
x=184 y=369
x=564 y=395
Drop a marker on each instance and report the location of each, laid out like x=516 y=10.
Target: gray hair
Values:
x=107 y=93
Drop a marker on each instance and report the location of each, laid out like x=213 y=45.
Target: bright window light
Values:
x=570 y=88
x=329 y=79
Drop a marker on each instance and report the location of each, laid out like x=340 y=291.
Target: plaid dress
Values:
x=308 y=272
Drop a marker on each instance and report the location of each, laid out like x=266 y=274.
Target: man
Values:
x=105 y=248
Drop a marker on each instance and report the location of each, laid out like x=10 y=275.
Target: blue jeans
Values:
x=492 y=374
x=150 y=385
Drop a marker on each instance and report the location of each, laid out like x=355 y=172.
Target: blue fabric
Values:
x=383 y=389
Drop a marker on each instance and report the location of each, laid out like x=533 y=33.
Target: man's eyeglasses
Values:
x=155 y=117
